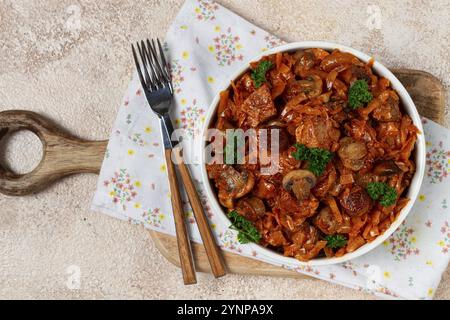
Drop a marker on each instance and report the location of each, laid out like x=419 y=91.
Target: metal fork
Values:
x=155 y=79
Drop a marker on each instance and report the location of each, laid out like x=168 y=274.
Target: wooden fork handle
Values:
x=63 y=154
x=184 y=246
x=212 y=250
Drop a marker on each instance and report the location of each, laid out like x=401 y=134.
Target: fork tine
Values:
x=156 y=78
x=138 y=67
x=160 y=65
x=163 y=60
x=144 y=63
x=156 y=62
x=165 y=66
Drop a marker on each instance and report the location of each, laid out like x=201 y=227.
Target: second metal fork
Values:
x=155 y=79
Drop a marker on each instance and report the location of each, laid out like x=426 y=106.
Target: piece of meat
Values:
x=326 y=182
x=317 y=132
x=281 y=143
x=288 y=204
x=389 y=133
x=287 y=162
x=257 y=108
x=276 y=238
x=358 y=73
x=245 y=86
x=291 y=222
x=278 y=78
x=338 y=107
x=307 y=236
x=306 y=244
x=389 y=109
x=360 y=130
x=264 y=189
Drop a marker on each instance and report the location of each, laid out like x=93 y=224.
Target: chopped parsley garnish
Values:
x=383 y=193
x=246 y=230
x=359 y=94
x=317 y=158
x=259 y=74
x=336 y=241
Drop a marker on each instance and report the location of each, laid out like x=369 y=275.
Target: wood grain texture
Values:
x=427 y=92
x=183 y=242
x=212 y=251
x=64 y=155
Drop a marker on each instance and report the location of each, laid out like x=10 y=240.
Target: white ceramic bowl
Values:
x=419 y=153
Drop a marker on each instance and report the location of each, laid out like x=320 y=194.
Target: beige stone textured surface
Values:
x=70 y=60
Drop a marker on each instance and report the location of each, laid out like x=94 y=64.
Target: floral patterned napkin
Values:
x=205 y=44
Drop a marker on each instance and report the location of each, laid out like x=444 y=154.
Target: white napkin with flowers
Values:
x=205 y=44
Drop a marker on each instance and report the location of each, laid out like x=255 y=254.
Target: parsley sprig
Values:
x=359 y=94
x=259 y=74
x=382 y=192
x=317 y=158
x=335 y=241
x=246 y=230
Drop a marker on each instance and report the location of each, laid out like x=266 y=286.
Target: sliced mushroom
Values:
x=337 y=59
x=251 y=208
x=300 y=182
x=225 y=199
x=363 y=179
x=352 y=153
x=326 y=222
x=319 y=54
x=385 y=168
x=355 y=201
x=304 y=61
x=311 y=87
x=233 y=184
x=276 y=123
x=249 y=182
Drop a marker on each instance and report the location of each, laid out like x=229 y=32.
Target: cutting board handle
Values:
x=63 y=154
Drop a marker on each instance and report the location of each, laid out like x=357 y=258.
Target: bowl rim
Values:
x=419 y=152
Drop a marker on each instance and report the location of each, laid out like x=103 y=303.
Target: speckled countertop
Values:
x=70 y=60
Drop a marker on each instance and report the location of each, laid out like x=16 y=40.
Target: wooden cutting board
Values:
x=65 y=155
